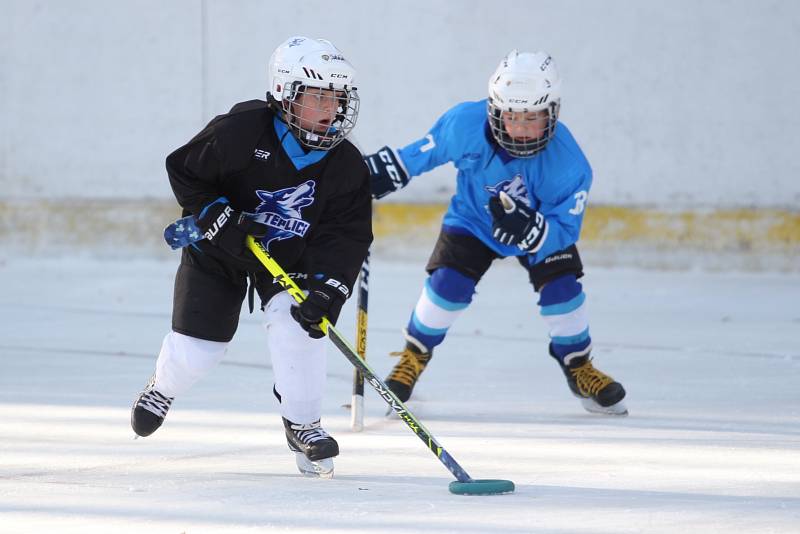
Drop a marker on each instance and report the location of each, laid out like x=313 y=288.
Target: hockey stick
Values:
x=464 y=484
x=357 y=402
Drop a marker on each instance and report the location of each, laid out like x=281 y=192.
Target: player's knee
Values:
x=451 y=286
x=184 y=360
x=285 y=334
x=560 y=290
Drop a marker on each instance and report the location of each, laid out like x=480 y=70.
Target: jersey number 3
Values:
x=580 y=202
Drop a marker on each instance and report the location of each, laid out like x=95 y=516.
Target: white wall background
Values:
x=679 y=104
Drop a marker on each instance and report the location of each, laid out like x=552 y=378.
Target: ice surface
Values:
x=710 y=361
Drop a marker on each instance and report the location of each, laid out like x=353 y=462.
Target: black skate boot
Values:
x=406 y=372
x=149 y=409
x=313 y=447
x=598 y=392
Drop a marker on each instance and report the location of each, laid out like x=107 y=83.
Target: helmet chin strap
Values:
x=276 y=107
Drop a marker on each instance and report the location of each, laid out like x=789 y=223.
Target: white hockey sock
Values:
x=566 y=326
x=433 y=316
x=569 y=328
x=299 y=362
x=184 y=360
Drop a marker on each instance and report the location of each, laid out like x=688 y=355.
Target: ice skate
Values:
x=149 y=409
x=406 y=372
x=597 y=391
x=313 y=448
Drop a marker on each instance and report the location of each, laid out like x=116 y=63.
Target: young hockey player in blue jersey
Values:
x=522 y=188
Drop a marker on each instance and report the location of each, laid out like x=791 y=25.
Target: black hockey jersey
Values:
x=317 y=204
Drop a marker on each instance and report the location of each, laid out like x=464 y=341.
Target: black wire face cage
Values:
x=523 y=148
x=320 y=135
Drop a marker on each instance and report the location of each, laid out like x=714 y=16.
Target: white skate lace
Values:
x=154 y=402
x=309 y=433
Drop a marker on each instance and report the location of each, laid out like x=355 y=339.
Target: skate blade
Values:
x=314 y=469
x=619 y=409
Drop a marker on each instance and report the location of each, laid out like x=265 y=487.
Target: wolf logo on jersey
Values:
x=515 y=188
x=280 y=210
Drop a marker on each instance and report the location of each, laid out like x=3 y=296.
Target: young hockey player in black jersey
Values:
x=305 y=189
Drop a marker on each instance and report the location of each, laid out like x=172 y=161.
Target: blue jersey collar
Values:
x=300 y=158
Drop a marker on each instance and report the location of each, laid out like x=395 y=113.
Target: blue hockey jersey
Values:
x=555 y=182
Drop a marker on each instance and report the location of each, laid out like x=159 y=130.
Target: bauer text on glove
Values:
x=227 y=228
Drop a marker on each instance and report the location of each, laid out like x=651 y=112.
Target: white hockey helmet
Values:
x=301 y=63
x=524 y=82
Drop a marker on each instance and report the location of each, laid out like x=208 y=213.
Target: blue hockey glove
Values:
x=386 y=172
x=227 y=228
x=514 y=223
x=324 y=293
